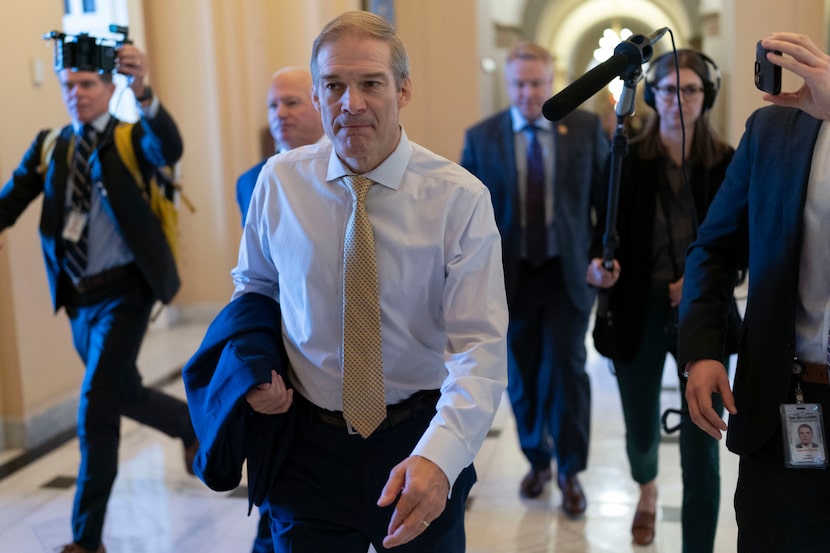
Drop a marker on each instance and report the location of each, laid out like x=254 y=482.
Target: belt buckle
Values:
x=350 y=429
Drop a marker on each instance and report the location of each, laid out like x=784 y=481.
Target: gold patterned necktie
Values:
x=364 y=399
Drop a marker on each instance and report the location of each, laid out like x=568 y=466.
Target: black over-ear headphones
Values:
x=710 y=88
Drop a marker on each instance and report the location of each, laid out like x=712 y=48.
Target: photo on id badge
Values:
x=804 y=445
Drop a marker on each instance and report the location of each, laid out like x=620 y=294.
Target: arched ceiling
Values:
x=570 y=29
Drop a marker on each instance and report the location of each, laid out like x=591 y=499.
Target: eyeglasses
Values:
x=670 y=91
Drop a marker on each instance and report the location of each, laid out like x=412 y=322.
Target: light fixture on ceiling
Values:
x=608 y=41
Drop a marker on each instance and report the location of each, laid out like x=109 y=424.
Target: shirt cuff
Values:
x=149 y=112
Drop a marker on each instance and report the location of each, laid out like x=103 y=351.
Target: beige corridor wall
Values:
x=212 y=66
x=801 y=16
x=38 y=367
x=211 y=61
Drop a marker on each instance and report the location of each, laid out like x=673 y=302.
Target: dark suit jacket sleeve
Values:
x=158 y=139
x=25 y=184
x=712 y=262
x=468 y=157
x=241 y=347
x=245 y=188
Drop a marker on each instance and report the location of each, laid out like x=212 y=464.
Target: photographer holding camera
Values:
x=107 y=259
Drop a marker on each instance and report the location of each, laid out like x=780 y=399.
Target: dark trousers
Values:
x=107 y=329
x=640 y=384
x=263 y=542
x=782 y=510
x=548 y=387
x=325 y=497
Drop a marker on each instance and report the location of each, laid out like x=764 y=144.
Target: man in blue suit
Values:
x=543 y=211
x=293 y=122
x=107 y=261
x=771 y=215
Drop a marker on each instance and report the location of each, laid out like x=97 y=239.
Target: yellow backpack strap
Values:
x=124 y=145
x=47 y=150
x=163 y=209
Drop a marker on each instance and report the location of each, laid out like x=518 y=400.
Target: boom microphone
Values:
x=629 y=55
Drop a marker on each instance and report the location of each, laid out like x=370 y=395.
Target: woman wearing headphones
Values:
x=667 y=182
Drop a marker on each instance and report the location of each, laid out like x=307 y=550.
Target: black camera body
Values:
x=83 y=52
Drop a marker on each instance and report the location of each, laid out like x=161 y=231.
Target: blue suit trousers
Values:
x=107 y=329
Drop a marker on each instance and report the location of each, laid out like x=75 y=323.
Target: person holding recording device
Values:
x=666 y=184
x=772 y=216
x=107 y=259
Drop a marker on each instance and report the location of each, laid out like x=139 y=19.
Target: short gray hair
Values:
x=363 y=24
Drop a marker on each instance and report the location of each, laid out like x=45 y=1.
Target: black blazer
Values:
x=156 y=143
x=636 y=212
x=581 y=148
x=755 y=221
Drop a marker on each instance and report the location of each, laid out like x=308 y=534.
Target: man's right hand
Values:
x=597 y=275
x=706 y=377
x=270 y=398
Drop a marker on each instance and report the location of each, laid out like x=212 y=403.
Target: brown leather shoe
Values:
x=190 y=455
x=533 y=484
x=642 y=529
x=75 y=548
x=573 y=498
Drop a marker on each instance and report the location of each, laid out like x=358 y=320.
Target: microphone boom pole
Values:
x=629 y=56
x=626 y=63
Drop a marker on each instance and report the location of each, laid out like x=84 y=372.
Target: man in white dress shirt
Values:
x=443 y=313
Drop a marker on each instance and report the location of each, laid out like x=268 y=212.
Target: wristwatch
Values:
x=146 y=95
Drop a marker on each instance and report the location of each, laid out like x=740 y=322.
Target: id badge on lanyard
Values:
x=802 y=430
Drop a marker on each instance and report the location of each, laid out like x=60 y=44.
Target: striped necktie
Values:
x=76 y=250
x=364 y=400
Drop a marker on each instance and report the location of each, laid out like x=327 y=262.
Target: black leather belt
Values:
x=99 y=280
x=815 y=373
x=395 y=414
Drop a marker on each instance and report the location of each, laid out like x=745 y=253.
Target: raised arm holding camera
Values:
x=771 y=216
x=107 y=259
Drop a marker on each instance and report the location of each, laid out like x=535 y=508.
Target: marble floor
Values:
x=157 y=507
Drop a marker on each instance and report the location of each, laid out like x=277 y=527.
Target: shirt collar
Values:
x=99 y=124
x=519 y=121
x=389 y=173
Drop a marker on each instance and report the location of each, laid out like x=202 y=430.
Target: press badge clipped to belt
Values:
x=802 y=429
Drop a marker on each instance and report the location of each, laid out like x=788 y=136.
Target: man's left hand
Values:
x=423 y=488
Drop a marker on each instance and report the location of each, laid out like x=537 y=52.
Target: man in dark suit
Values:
x=293 y=122
x=544 y=218
x=772 y=216
x=107 y=261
